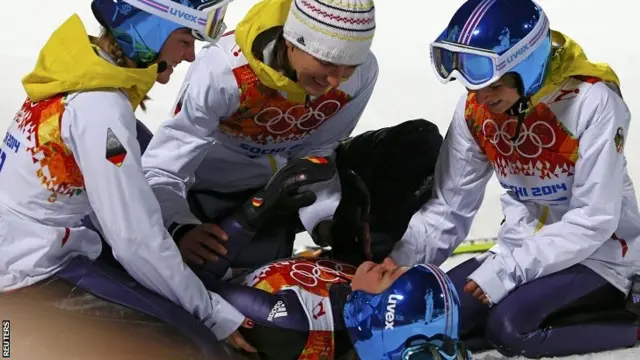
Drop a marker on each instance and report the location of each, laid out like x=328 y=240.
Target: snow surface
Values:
x=406 y=88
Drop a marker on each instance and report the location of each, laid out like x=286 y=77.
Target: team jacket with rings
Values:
x=236 y=122
x=568 y=196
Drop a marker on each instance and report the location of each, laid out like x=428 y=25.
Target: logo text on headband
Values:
x=183 y=15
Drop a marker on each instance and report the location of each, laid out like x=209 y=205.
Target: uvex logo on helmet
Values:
x=518 y=53
x=390 y=315
x=183 y=15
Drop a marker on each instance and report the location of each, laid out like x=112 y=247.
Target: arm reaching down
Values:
x=208 y=94
x=461 y=176
x=280 y=323
x=99 y=128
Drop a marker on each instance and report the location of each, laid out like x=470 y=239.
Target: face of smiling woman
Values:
x=316 y=76
x=500 y=96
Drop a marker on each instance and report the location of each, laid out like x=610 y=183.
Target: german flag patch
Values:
x=178 y=108
x=317 y=159
x=257 y=202
x=116 y=153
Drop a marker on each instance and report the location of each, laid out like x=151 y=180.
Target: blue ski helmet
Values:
x=141 y=27
x=416 y=318
x=487 y=39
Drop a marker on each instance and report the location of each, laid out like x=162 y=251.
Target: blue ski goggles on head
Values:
x=474 y=68
x=478 y=68
x=206 y=22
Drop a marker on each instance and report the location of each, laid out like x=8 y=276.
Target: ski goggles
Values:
x=474 y=68
x=427 y=351
x=206 y=22
x=478 y=68
x=421 y=353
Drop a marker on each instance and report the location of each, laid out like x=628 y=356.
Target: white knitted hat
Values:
x=336 y=31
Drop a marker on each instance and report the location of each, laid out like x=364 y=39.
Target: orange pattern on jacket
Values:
x=267 y=117
x=58 y=171
x=544 y=148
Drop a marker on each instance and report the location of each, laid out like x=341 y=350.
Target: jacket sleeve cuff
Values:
x=177 y=231
x=225 y=320
x=487 y=277
x=186 y=218
x=404 y=253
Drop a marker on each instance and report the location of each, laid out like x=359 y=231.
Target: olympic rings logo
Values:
x=499 y=137
x=278 y=122
x=309 y=274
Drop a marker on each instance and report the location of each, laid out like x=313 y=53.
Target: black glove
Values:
x=282 y=193
x=351 y=240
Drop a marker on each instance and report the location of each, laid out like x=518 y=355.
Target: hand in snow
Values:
x=202 y=244
x=474 y=290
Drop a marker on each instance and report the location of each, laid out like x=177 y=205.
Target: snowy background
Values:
x=406 y=88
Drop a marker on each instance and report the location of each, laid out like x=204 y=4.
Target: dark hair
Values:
x=513 y=80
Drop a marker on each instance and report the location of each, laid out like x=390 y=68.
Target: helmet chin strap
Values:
x=519 y=109
x=162 y=66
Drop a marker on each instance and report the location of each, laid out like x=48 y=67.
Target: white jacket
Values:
x=569 y=198
x=67 y=156
x=229 y=139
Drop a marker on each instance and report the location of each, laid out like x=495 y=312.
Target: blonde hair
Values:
x=107 y=42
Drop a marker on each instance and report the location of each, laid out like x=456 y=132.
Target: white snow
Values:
x=406 y=88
